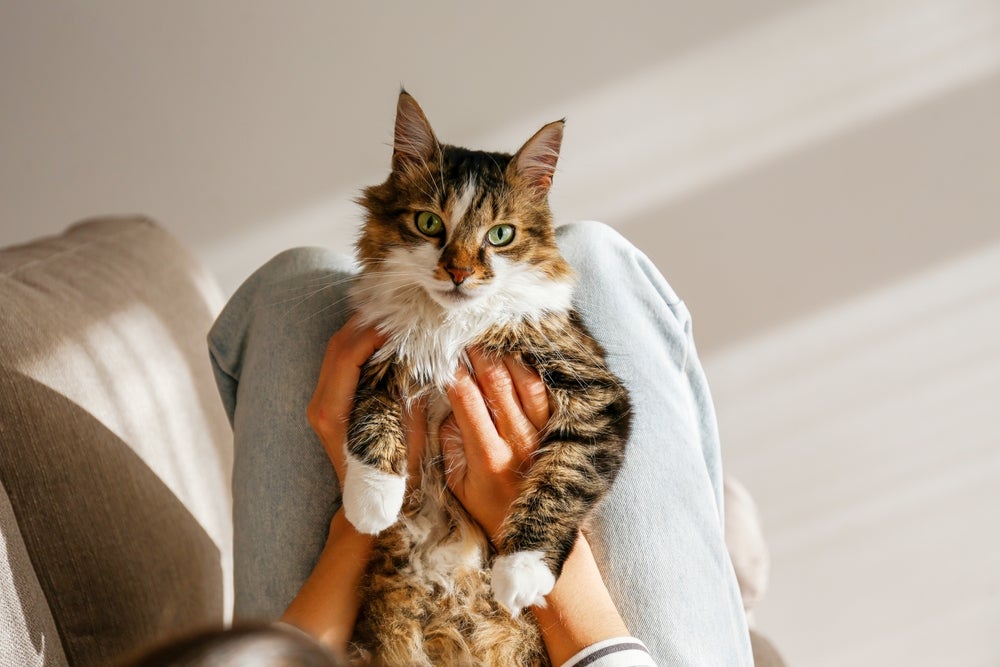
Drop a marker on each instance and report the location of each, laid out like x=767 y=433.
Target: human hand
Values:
x=490 y=438
x=327 y=604
x=329 y=410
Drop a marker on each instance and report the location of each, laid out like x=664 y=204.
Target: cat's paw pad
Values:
x=372 y=498
x=521 y=579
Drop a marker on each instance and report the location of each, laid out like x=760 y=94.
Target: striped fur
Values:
x=428 y=596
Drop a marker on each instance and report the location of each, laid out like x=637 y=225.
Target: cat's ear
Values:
x=414 y=142
x=535 y=164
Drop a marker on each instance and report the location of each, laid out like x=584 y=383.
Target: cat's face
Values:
x=466 y=226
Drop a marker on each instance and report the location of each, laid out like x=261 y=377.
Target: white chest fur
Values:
x=429 y=338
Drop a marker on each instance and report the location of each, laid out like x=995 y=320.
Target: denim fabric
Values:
x=658 y=536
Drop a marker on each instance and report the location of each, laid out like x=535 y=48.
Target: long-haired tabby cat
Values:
x=458 y=250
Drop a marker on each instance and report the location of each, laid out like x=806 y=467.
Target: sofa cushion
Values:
x=28 y=636
x=115 y=453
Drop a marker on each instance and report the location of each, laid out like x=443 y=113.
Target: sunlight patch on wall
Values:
x=777 y=87
x=887 y=387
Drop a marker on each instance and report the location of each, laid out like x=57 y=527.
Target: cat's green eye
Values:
x=500 y=235
x=430 y=224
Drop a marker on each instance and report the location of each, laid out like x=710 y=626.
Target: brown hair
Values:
x=244 y=646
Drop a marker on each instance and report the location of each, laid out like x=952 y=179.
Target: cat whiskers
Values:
x=299 y=299
x=585 y=354
x=310 y=288
x=440 y=156
x=391 y=284
x=331 y=279
x=320 y=285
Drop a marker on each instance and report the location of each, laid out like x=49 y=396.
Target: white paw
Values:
x=372 y=498
x=520 y=580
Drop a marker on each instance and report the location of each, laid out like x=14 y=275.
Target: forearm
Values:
x=327 y=604
x=580 y=611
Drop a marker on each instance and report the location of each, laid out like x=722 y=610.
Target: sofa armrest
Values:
x=114 y=450
x=29 y=637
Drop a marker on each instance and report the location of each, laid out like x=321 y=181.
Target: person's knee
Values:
x=303 y=261
x=591 y=246
x=294 y=283
x=607 y=262
x=590 y=235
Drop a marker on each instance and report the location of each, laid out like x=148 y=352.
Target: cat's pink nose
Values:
x=459 y=274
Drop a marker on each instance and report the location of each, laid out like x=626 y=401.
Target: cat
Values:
x=457 y=250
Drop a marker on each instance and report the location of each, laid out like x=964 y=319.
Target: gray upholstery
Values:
x=115 y=454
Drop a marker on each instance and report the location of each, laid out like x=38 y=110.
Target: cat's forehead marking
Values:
x=460 y=207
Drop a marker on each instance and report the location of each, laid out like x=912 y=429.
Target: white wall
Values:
x=248 y=126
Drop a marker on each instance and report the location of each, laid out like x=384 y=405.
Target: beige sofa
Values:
x=115 y=453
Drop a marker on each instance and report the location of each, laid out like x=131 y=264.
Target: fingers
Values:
x=516 y=397
x=531 y=391
x=499 y=412
x=497 y=386
x=330 y=407
x=346 y=353
x=488 y=441
x=476 y=424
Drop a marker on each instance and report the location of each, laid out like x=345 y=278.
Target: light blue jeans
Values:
x=657 y=537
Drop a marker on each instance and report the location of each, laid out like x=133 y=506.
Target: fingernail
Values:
x=464 y=371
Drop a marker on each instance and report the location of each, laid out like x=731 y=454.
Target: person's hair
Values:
x=243 y=646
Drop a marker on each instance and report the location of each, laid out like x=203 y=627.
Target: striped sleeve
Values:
x=617 y=652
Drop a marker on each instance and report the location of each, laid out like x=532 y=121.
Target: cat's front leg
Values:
x=573 y=470
x=375 y=481
x=541 y=528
